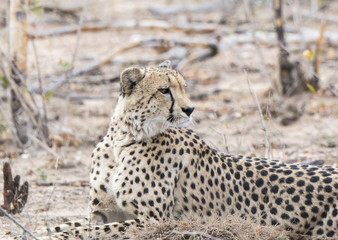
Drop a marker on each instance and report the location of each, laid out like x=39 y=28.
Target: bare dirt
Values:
x=299 y=128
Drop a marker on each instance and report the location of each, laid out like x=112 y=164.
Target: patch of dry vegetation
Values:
x=229 y=228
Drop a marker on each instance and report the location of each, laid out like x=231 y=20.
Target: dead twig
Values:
x=319 y=45
x=43 y=145
x=17 y=223
x=226 y=144
x=262 y=64
x=66 y=77
x=98 y=79
x=78 y=32
x=266 y=135
x=78 y=35
x=44 y=122
x=210 y=52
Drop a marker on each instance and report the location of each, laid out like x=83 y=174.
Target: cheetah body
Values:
x=159 y=181
x=149 y=167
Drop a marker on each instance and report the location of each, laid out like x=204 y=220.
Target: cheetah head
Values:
x=152 y=100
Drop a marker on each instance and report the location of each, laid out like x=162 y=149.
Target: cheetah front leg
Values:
x=147 y=204
x=104 y=208
x=106 y=231
x=103 y=205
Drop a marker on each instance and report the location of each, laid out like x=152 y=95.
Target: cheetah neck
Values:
x=122 y=136
x=131 y=125
x=125 y=128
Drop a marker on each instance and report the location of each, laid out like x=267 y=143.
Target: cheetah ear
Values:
x=129 y=78
x=165 y=64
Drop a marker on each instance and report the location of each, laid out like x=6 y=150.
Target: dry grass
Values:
x=230 y=228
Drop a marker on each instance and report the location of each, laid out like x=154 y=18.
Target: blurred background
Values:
x=255 y=93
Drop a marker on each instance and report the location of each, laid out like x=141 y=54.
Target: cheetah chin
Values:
x=153 y=127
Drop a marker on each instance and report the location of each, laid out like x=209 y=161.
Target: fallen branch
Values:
x=147 y=41
x=212 y=51
x=62 y=183
x=58 y=81
x=199 y=28
x=176 y=9
x=66 y=30
x=158 y=25
x=79 y=97
x=97 y=79
x=176 y=54
x=63 y=13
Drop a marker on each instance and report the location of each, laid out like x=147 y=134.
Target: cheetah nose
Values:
x=188 y=110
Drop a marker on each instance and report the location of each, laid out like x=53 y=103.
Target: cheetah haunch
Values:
x=149 y=167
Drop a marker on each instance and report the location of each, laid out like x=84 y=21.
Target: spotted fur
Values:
x=149 y=167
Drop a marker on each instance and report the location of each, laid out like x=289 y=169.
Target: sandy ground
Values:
x=226 y=114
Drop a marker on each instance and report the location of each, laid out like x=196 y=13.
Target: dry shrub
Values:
x=229 y=228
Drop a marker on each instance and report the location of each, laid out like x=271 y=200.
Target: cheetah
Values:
x=151 y=167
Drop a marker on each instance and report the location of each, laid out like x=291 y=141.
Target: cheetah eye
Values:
x=164 y=90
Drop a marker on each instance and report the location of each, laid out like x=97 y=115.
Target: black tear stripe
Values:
x=171 y=110
x=151 y=98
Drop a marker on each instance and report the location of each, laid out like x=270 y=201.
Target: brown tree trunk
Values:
x=15 y=195
x=292 y=76
x=18 y=52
